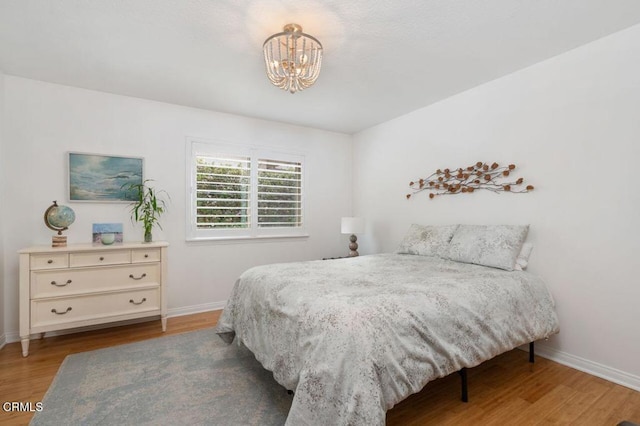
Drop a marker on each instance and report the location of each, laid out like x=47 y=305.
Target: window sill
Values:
x=246 y=239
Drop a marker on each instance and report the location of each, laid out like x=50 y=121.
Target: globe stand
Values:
x=59 y=241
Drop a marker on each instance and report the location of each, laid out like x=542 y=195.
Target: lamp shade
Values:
x=352 y=225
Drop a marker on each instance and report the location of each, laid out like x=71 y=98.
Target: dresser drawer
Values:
x=47 y=312
x=150 y=255
x=90 y=280
x=97 y=258
x=49 y=261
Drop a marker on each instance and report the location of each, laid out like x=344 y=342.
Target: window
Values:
x=222 y=192
x=279 y=193
x=243 y=192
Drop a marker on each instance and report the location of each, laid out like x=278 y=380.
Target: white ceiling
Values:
x=382 y=58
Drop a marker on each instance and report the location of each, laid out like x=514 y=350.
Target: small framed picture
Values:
x=107 y=233
x=103 y=178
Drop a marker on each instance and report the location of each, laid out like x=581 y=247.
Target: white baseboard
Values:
x=14 y=336
x=595 y=369
x=195 y=309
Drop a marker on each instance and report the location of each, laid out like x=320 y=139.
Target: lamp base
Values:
x=353 y=246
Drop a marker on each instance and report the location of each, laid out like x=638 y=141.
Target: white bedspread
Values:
x=353 y=337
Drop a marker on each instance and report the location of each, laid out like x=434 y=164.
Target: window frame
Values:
x=201 y=147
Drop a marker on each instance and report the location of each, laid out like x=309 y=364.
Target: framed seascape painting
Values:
x=103 y=178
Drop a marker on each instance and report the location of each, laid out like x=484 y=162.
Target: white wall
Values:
x=571 y=125
x=44 y=121
x=2 y=204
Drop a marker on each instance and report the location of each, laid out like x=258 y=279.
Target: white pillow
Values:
x=523 y=258
x=427 y=240
x=496 y=246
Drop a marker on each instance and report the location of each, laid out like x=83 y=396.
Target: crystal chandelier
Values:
x=292 y=58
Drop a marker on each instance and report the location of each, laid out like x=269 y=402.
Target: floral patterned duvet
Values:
x=353 y=337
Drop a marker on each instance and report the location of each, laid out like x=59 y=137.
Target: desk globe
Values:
x=59 y=218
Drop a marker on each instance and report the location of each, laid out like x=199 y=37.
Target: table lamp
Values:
x=353 y=226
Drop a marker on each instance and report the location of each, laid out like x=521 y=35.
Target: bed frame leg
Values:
x=531 y=353
x=463 y=381
x=463 y=374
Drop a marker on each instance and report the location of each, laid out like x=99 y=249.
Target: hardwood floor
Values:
x=507 y=390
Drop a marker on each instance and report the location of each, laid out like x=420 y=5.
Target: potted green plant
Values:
x=148 y=207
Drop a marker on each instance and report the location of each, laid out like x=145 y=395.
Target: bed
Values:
x=353 y=337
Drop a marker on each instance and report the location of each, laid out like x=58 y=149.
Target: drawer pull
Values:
x=144 y=299
x=50 y=261
x=101 y=258
x=61 y=313
x=146 y=255
x=60 y=285
x=139 y=278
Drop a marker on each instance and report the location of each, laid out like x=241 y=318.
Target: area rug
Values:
x=192 y=378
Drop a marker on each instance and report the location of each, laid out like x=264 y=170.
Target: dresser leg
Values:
x=164 y=323
x=25 y=346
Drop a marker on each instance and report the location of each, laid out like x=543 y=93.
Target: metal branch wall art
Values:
x=479 y=176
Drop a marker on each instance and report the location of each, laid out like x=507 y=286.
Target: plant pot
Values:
x=148 y=237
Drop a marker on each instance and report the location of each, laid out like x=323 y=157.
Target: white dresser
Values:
x=88 y=284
